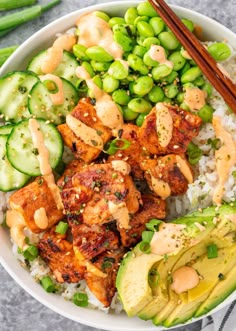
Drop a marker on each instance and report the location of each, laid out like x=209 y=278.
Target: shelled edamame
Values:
x=138 y=81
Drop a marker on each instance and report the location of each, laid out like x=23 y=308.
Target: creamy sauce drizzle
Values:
x=157 y=53
x=41 y=218
x=84 y=132
x=169 y=239
x=164 y=124
x=184 y=168
x=94 y=31
x=225 y=158
x=121 y=166
x=184 y=278
x=15 y=221
x=57 y=98
x=194 y=98
x=121 y=213
x=43 y=158
x=55 y=53
x=160 y=187
x=107 y=110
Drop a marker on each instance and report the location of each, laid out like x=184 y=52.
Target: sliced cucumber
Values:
x=6 y=129
x=40 y=103
x=10 y=178
x=21 y=152
x=14 y=90
x=66 y=68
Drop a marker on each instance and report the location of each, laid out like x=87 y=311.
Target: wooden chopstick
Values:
x=199 y=54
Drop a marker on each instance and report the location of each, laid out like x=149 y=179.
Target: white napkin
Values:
x=224 y=320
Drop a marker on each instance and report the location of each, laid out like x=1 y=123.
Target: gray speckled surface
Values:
x=18 y=310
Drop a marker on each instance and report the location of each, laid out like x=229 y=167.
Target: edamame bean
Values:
x=156 y=94
x=206 y=113
x=189 y=24
x=161 y=71
x=137 y=64
x=171 y=91
x=126 y=29
x=110 y=84
x=99 y=54
x=128 y=114
x=208 y=88
x=130 y=15
x=141 y=19
x=168 y=40
x=100 y=66
x=140 y=40
x=180 y=97
x=139 y=50
x=140 y=119
x=191 y=74
x=185 y=68
x=148 y=42
x=118 y=70
x=124 y=41
x=79 y=52
x=170 y=78
x=145 y=29
x=143 y=85
x=140 y=105
x=146 y=9
x=87 y=66
x=184 y=106
x=121 y=97
x=167 y=100
x=178 y=60
x=116 y=20
x=219 y=51
x=157 y=24
x=149 y=61
x=102 y=15
x=199 y=81
x=98 y=81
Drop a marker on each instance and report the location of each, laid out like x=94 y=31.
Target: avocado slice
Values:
x=132 y=281
x=221 y=291
x=209 y=269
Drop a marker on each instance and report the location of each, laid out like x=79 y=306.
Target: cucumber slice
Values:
x=40 y=103
x=14 y=90
x=6 y=129
x=66 y=68
x=10 y=178
x=21 y=152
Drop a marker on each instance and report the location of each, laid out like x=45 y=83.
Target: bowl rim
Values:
x=7 y=259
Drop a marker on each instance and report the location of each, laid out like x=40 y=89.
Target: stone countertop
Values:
x=18 y=310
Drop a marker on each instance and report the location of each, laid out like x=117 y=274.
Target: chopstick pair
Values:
x=199 y=54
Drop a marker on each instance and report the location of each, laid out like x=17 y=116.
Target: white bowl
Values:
x=212 y=30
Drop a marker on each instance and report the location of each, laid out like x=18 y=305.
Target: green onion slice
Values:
x=117 y=144
x=194 y=153
x=61 y=227
x=145 y=247
x=48 y=284
x=31 y=253
x=212 y=251
x=51 y=86
x=80 y=299
x=153 y=224
x=147 y=236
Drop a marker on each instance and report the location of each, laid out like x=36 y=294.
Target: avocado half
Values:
x=156 y=300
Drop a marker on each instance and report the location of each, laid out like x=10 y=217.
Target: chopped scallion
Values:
x=153 y=224
x=80 y=299
x=147 y=236
x=194 y=153
x=31 y=253
x=212 y=251
x=48 y=284
x=145 y=247
x=117 y=144
x=61 y=228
